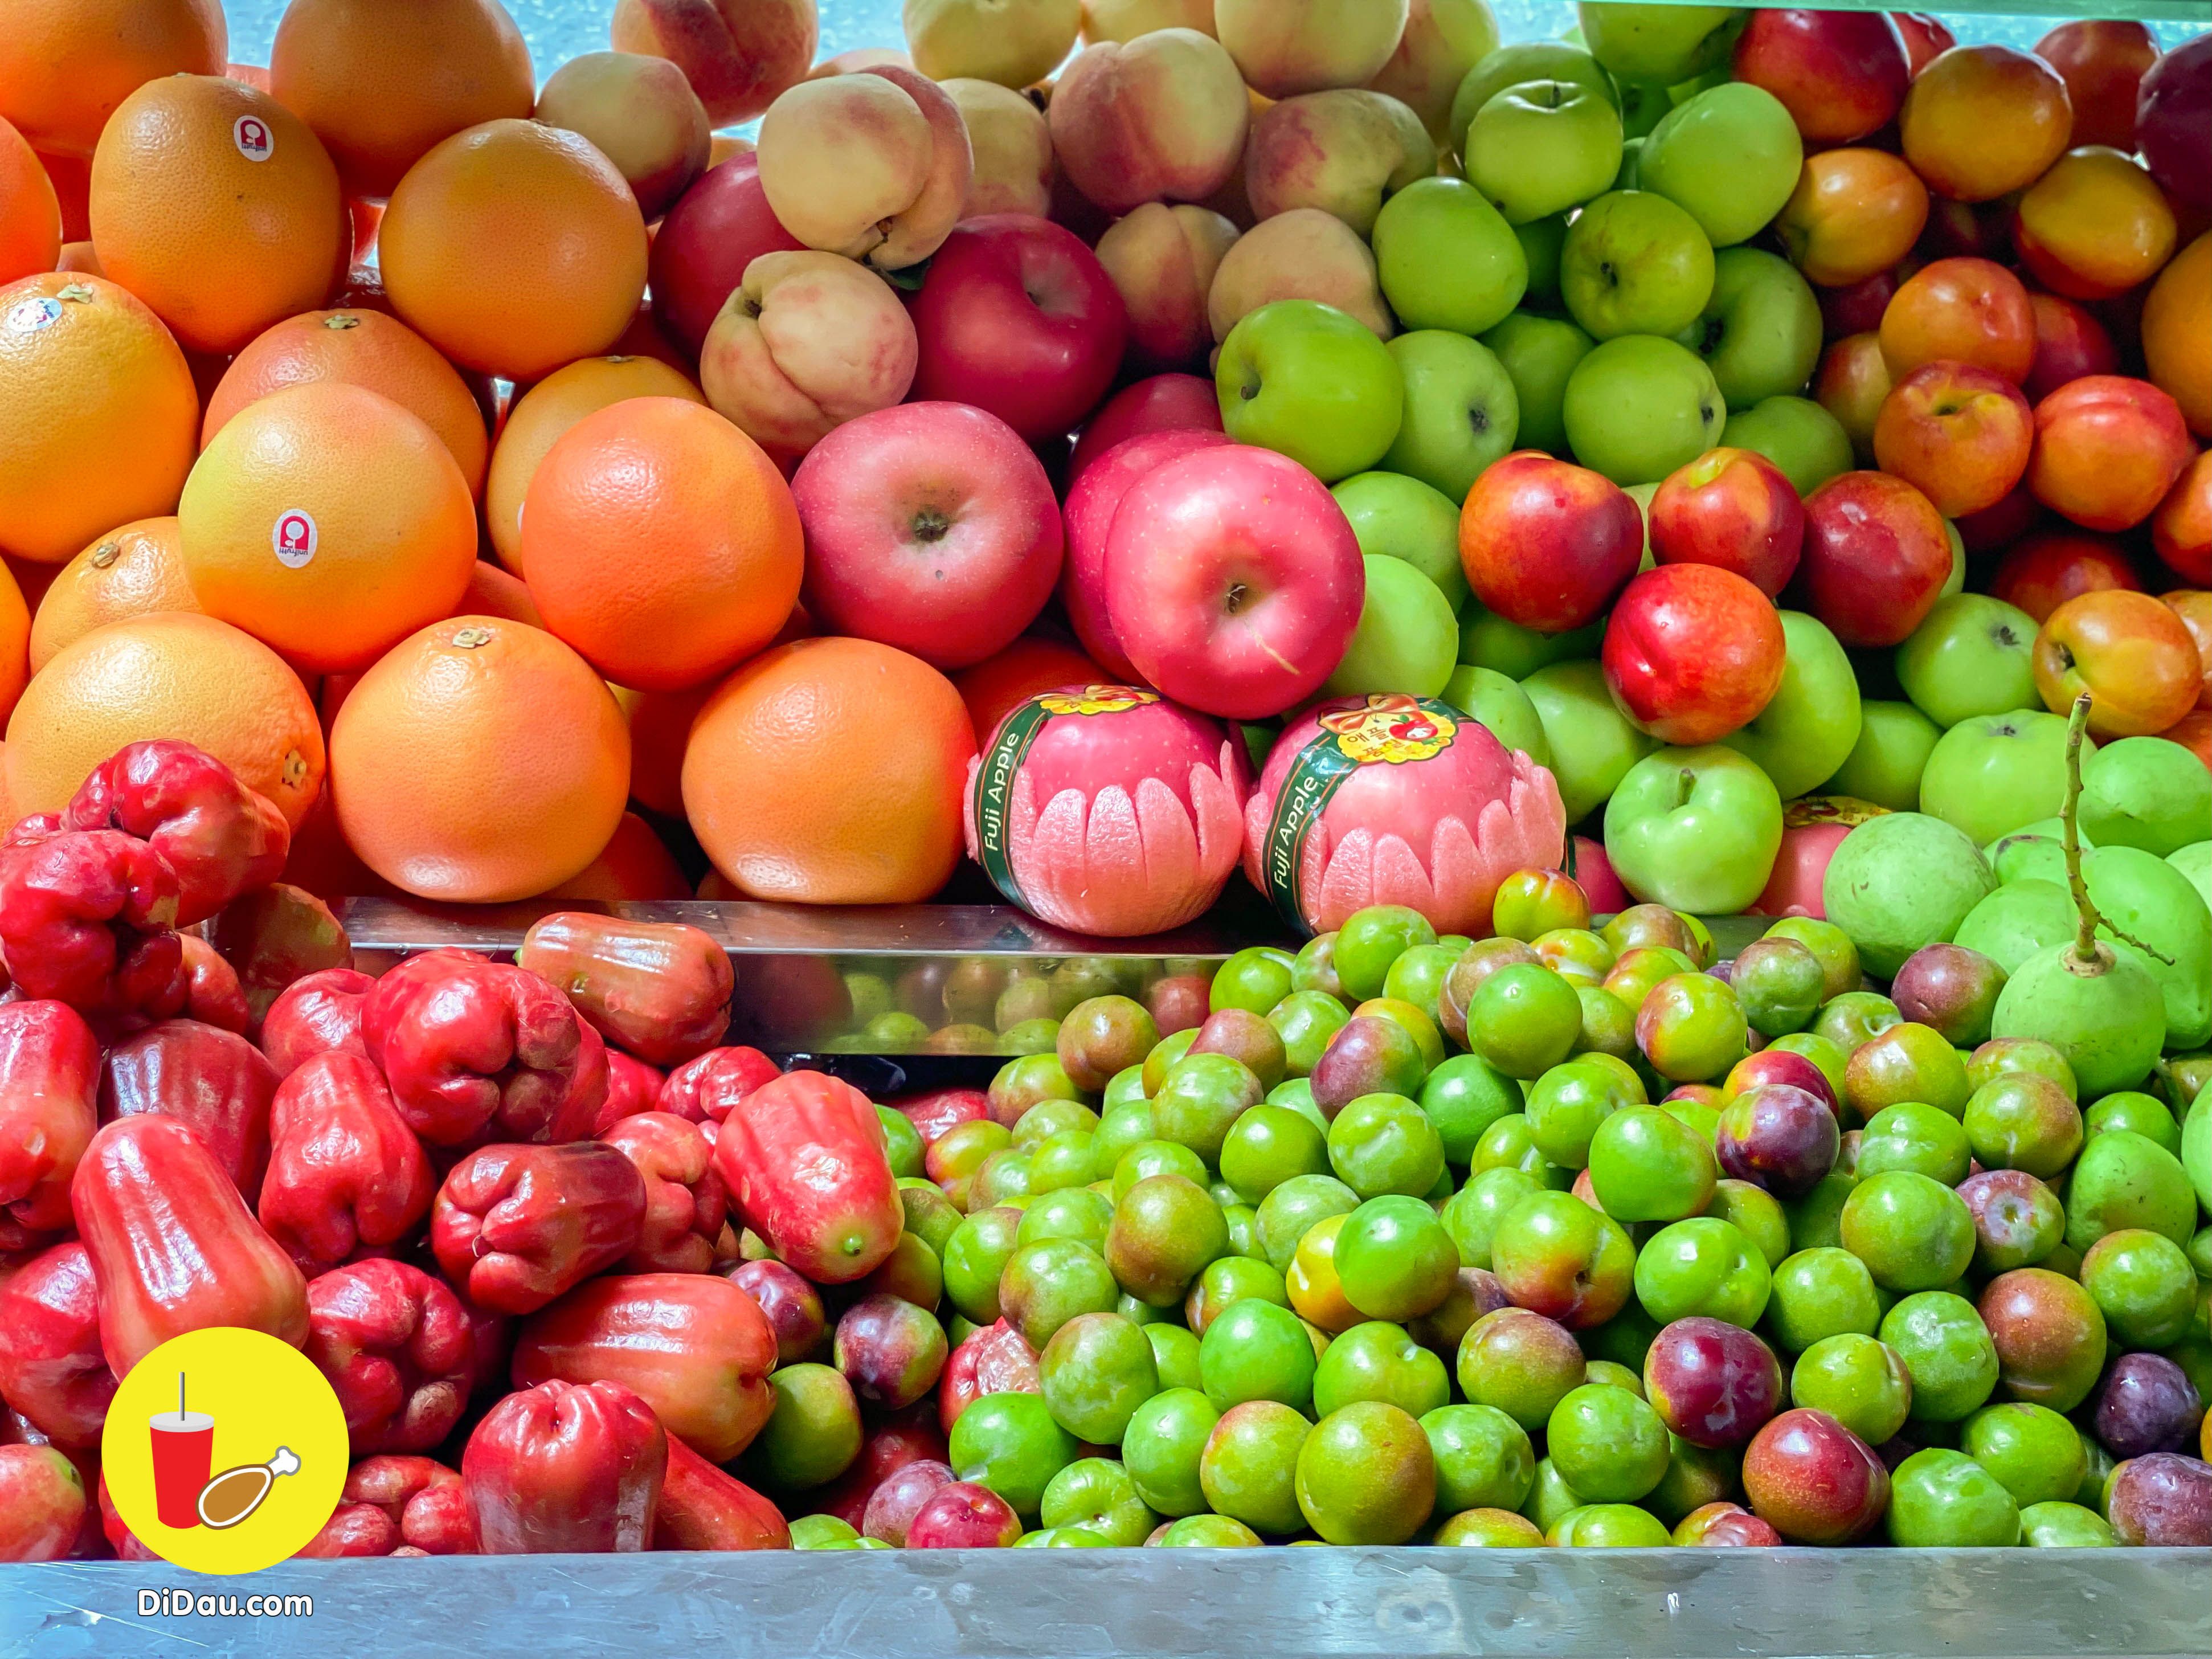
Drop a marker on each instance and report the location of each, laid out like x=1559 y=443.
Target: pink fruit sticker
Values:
x=294 y=538
x=254 y=140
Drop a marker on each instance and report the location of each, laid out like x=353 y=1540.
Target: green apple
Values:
x=1694 y=829
x=1541 y=146
x=1637 y=407
x=1593 y=744
x=1956 y=582
x=1635 y=263
x=1311 y=382
x=2195 y=863
x=1632 y=156
x=1487 y=640
x=1407 y=636
x=1540 y=241
x=1490 y=700
x=1990 y=774
x=1539 y=354
x=1807 y=443
x=2148 y=792
x=1644 y=105
x=1663 y=44
x=1811 y=722
x=1516 y=65
x=1760 y=330
x=1884 y=764
x=1395 y=517
x=1462 y=412
x=1730 y=156
x=1446 y=259
x=1971 y=655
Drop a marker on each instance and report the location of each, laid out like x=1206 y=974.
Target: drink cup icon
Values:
x=184 y=1452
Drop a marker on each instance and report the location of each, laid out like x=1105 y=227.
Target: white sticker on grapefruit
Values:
x=29 y=316
x=254 y=140
x=294 y=538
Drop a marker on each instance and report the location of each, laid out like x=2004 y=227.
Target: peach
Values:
x=723 y=145
x=1966 y=310
x=1013 y=148
x=1979 y=121
x=859 y=58
x=2094 y=226
x=1854 y=212
x=1123 y=21
x=1850 y=384
x=1016 y=43
x=2130 y=653
x=873 y=165
x=1958 y=434
x=2069 y=342
x=1286 y=47
x=2107 y=449
x=641 y=113
x=1303 y=254
x=1164 y=259
x=1161 y=119
x=1442 y=41
x=2039 y=573
x=2102 y=62
x=2177 y=333
x=738 y=55
x=807 y=342
x=2194 y=606
x=1343 y=151
x=2181 y=530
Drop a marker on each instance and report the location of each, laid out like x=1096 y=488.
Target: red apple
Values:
x=1967 y=230
x=1160 y=402
x=1925 y=36
x=1692 y=653
x=930 y=526
x=2102 y=63
x=1546 y=543
x=1959 y=434
x=2069 y=342
x=1016 y=316
x=1877 y=558
x=1857 y=308
x=1840 y=74
x=1733 y=509
x=2002 y=523
x=2133 y=655
x=717 y=228
x=963 y=1516
x=2041 y=572
x=1092 y=500
x=1970 y=310
x=2181 y=530
x=2174 y=122
x=2107 y=449
x=1233 y=581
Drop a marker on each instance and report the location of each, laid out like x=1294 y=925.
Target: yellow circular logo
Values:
x=225 y=1450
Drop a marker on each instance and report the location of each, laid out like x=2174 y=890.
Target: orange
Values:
x=492 y=592
x=328 y=522
x=32 y=580
x=550 y=409
x=1017 y=673
x=97 y=414
x=662 y=542
x=383 y=82
x=366 y=348
x=634 y=865
x=2177 y=333
x=30 y=212
x=170 y=676
x=71 y=178
x=14 y=642
x=830 y=771
x=480 y=761
x=78 y=256
x=659 y=725
x=216 y=205
x=321 y=862
x=137 y=570
x=514 y=249
x=66 y=64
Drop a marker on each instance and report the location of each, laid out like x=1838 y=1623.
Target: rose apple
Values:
x=1233 y=581
x=2102 y=62
x=1733 y=509
x=1692 y=653
x=2132 y=655
x=1696 y=829
x=1877 y=558
x=930 y=526
x=1958 y=434
x=2041 y=572
x=2107 y=449
x=1162 y=403
x=1841 y=74
x=2069 y=342
x=1854 y=212
x=1311 y=382
x=1092 y=500
x=1966 y=310
x=2174 y=122
x=718 y=226
x=1983 y=120
x=1017 y=317
x=1546 y=544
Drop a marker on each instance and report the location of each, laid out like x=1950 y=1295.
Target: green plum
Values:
x=1943 y=1498
x=1162 y=1446
x=1646 y=1166
x=1704 y=1267
x=1378 y=1360
x=2035 y=1454
x=1608 y=1443
x=1947 y=1349
x=1860 y=1382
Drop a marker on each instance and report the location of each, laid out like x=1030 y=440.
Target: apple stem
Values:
x=2090 y=957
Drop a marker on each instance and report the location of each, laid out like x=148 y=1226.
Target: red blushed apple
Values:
x=2102 y=63
x=1233 y=581
x=717 y=228
x=1857 y=308
x=2070 y=344
x=1018 y=317
x=1733 y=509
x=2107 y=449
x=1839 y=74
x=1692 y=653
x=2041 y=572
x=2173 y=123
x=2000 y=524
x=1546 y=543
x=1161 y=403
x=1926 y=37
x=930 y=526
x=1959 y=434
x=1851 y=383
x=2182 y=529
x=1092 y=500
x=1876 y=557
x=1969 y=311
x=2131 y=654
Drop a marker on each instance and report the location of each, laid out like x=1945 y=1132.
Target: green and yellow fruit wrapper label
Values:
x=994 y=778
x=1386 y=729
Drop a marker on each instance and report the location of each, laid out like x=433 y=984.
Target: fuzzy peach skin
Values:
x=1162 y=259
x=1163 y=118
x=1442 y=40
x=641 y=113
x=873 y=165
x=1125 y=20
x=1286 y=47
x=1016 y=43
x=1013 y=148
x=1303 y=254
x=1344 y=151
x=738 y=55
x=807 y=342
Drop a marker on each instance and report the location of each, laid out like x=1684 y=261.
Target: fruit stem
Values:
x=2089 y=957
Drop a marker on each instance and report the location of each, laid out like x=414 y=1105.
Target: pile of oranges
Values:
x=443 y=551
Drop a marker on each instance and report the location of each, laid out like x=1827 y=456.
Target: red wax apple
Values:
x=717 y=228
x=1926 y=37
x=1732 y=508
x=1018 y=317
x=1162 y=403
x=1692 y=653
x=2174 y=122
x=1876 y=557
x=1840 y=74
x=930 y=526
x=2102 y=62
x=1546 y=543
x=2107 y=449
x=1970 y=310
x=1958 y=434
x=1233 y=581
x=1092 y=500
x=2069 y=342
x=2042 y=571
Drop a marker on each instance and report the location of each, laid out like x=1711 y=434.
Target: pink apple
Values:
x=1018 y=317
x=1692 y=653
x=1876 y=560
x=1840 y=74
x=1233 y=581
x=930 y=526
x=717 y=228
x=1161 y=403
x=1733 y=509
x=1546 y=543
x=1092 y=500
